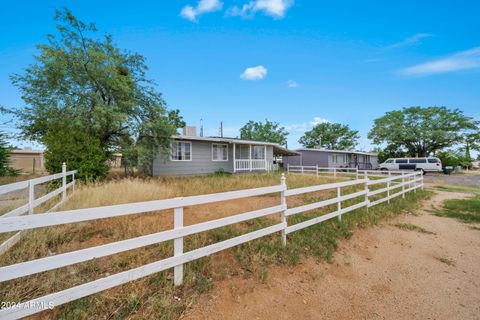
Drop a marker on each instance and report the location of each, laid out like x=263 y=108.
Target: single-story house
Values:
x=194 y=155
x=332 y=158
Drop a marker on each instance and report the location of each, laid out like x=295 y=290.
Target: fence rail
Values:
x=32 y=203
x=406 y=181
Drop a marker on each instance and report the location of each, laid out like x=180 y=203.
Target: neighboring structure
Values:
x=28 y=161
x=115 y=161
x=333 y=158
x=194 y=155
x=475 y=164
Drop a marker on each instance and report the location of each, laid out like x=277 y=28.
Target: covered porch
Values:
x=257 y=157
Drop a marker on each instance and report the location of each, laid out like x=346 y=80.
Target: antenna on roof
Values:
x=201 y=127
x=221 y=129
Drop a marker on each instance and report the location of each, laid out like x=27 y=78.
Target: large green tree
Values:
x=264 y=131
x=83 y=90
x=5 y=150
x=422 y=131
x=328 y=135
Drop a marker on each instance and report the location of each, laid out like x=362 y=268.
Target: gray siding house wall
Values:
x=325 y=158
x=201 y=160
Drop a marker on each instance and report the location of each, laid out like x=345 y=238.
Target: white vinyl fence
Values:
x=32 y=202
x=404 y=182
x=339 y=171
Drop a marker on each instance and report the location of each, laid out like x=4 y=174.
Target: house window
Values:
x=334 y=158
x=241 y=151
x=219 y=152
x=181 y=151
x=345 y=158
x=258 y=152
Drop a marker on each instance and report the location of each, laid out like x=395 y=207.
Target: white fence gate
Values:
x=32 y=202
x=406 y=181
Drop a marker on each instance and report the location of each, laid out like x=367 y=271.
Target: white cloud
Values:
x=203 y=6
x=292 y=84
x=469 y=59
x=273 y=8
x=410 y=41
x=254 y=73
x=300 y=128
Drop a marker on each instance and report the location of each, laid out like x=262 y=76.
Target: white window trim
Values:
x=219 y=144
x=191 y=154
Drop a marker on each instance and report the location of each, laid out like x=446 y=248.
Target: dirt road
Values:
x=380 y=273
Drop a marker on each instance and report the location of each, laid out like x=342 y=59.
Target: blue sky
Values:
x=295 y=62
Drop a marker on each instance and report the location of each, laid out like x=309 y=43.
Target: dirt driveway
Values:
x=380 y=273
x=466 y=179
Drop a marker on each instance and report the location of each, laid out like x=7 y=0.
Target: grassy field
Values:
x=155 y=297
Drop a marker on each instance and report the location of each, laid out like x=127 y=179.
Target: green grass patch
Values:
x=412 y=227
x=464 y=210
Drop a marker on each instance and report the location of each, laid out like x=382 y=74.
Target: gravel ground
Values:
x=465 y=179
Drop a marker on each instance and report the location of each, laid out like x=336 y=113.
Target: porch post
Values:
x=265 y=157
x=234 y=160
x=250 y=156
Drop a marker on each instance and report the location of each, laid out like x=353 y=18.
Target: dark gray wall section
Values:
x=323 y=159
x=201 y=161
x=307 y=158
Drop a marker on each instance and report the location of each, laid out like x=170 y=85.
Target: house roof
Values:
x=277 y=149
x=338 y=151
x=27 y=151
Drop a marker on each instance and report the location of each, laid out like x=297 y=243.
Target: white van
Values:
x=429 y=164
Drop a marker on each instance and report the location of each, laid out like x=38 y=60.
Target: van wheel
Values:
x=423 y=171
x=383 y=169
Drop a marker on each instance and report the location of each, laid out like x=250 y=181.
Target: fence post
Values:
x=403 y=185
x=283 y=201
x=302 y=169
x=356 y=170
x=339 y=204
x=388 y=187
x=288 y=167
x=334 y=172
x=415 y=183
x=366 y=190
x=73 y=182
x=64 y=181
x=31 y=196
x=316 y=169
x=178 y=246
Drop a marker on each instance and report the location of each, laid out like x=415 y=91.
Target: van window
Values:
x=389 y=161
x=418 y=160
x=433 y=161
x=401 y=161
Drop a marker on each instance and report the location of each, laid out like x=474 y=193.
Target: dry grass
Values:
x=20 y=177
x=154 y=296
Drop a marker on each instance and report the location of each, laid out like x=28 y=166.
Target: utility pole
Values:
x=221 y=129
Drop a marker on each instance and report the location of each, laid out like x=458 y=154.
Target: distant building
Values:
x=332 y=158
x=115 y=161
x=475 y=164
x=28 y=161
